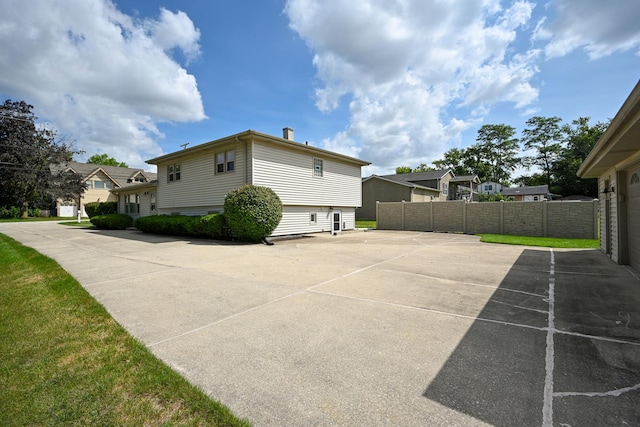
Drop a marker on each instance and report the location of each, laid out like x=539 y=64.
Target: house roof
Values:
x=118 y=175
x=465 y=178
x=526 y=191
x=619 y=142
x=244 y=136
x=404 y=184
x=137 y=186
x=418 y=176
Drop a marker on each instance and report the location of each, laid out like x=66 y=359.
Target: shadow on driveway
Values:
x=591 y=368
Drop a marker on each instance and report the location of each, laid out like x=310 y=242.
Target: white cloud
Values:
x=101 y=77
x=599 y=27
x=409 y=65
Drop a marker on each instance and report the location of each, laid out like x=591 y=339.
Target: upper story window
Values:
x=445 y=189
x=173 y=172
x=488 y=187
x=317 y=167
x=226 y=162
x=98 y=184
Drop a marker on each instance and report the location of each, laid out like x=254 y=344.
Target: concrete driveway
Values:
x=373 y=328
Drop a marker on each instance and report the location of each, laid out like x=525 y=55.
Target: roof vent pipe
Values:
x=287 y=133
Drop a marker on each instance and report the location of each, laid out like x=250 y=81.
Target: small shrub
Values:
x=100 y=208
x=252 y=212
x=9 y=212
x=112 y=221
x=176 y=225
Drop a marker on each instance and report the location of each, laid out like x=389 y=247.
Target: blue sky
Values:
x=391 y=82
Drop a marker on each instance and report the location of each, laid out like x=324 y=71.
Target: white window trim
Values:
x=176 y=174
x=318 y=173
x=225 y=162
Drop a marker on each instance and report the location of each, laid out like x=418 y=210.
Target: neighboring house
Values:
x=527 y=194
x=319 y=189
x=464 y=187
x=615 y=161
x=490 y=187
x=382 y=189
x=100 y=180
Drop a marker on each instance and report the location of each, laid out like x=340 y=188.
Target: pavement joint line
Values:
x=595 y=337
x=547 y=405
x=466 y=283
x=88 y=285
x=360 y=270
x=519 y=306
x=611 y=393
x=631 y=272
x=429 y=310
x=240 y=313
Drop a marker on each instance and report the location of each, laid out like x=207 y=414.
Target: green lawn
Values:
x=85 y=223
x=549 y=242
x=65 y=361
x=32 y=219
x=365 y=223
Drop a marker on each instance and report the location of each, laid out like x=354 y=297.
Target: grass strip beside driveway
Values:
x=65 y=361
x=547 y=242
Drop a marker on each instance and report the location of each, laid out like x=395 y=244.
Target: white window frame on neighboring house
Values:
x=313 y=218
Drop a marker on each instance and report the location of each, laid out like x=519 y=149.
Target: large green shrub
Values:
x=100 y=208
x=112 y=221
x=252 y=212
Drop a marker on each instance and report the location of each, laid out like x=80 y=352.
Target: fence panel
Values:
x=576 y=219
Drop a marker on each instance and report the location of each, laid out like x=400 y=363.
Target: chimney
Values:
x=287 y=133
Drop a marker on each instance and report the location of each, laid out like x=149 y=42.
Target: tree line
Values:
x=33 y=161
x=557 y=150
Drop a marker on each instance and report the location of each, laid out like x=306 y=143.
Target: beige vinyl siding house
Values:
x=138 y=200
x=319 y=189
x=615 y=161
x=100 y=181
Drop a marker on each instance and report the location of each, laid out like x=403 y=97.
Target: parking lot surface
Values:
x=376 y=328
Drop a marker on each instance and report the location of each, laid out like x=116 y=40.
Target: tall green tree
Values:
x=422 y=168
x=580 y=137
x=476 y=162
x=403 y=169
x=31 y=160
x=104 y=159
x=454 y=160
x=500 y=150
x=544 y=135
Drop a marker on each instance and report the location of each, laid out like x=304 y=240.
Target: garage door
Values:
x=633 y=217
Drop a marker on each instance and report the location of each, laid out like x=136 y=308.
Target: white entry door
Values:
x=336 y=221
